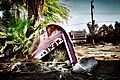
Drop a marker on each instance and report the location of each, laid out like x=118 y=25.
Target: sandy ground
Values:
x=102 y=52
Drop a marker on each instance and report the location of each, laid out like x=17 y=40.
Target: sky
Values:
x=105 y=12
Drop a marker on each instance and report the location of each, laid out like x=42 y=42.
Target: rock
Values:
x=85 y=65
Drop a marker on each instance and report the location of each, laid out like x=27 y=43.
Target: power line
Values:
x=105 y=21
x=101 y=13
x=95 y=21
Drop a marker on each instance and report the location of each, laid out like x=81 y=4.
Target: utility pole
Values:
x=93 y=22
x=92 y=26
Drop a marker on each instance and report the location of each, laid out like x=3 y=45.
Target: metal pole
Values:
x=93 y=22
x=92 y=7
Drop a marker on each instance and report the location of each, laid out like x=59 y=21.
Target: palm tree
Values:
x=49 y=10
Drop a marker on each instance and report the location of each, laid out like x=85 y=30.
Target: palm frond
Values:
x=55 y=11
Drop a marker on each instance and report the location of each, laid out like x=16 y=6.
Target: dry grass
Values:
x=99 y=51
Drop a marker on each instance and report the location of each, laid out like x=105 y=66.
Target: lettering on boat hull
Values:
x=51 y=37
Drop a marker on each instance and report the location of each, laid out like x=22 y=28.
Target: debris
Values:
x=50 y=38
x=67 y=62
x=85 y=65
x=15 y=65
x=2 y=55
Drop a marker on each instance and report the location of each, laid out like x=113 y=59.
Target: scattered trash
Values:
x=85 y=65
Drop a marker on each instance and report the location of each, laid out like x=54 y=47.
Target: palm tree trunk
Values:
x=35 y=8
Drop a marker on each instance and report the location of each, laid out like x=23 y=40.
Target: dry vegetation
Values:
x=101 y=52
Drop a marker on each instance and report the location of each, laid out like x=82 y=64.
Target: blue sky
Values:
x=106 y=12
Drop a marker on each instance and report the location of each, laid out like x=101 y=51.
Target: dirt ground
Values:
x=103 y=54
x=100 y=52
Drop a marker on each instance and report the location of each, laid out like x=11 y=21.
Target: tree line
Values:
x=106 y=34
